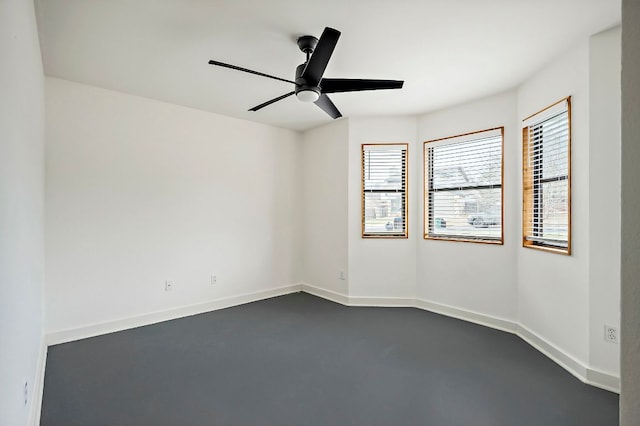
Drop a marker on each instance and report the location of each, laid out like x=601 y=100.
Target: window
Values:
x=546 y=172
x=384 y=190
x=463 y=187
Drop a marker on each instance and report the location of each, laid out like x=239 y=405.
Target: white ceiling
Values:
x=447 y=52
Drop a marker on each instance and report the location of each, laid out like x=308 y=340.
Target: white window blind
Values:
x=384 y=190
x=463 y=194
x=546 y=173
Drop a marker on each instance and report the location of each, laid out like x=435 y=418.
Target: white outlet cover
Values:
x=610 y=334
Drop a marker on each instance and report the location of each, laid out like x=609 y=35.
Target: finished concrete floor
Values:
x=301 y=360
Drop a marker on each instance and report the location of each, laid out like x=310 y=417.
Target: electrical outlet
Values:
x=25 y=393
x=214 y=279
x=168 y=285
x=610 y=334
x=343 y=276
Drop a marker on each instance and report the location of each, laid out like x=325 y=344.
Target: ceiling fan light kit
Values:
x=309 y=85
x=307 y=95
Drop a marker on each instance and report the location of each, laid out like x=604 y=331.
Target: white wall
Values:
x=480 y=278
x=21 y=209
x=139 y=191
x=604 y=197
x=381 y=267
x=324 y=176
x=630 y=246
x=553 y=290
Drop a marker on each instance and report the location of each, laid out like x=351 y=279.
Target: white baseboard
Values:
x=382 y=302
x=38 y=386
x=581 y=371
x=572 y=365
x=603 y=380
x=566 y=361
x=92 y=330
x=466 y=315
x=343 y=299
x=333 y=296
x=409 y=302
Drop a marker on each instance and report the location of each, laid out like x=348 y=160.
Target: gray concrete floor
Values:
x=301 y=360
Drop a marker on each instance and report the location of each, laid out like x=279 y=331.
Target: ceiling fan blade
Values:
x=337 y=85
x=279 y=98
x=320 y=56
x=327 y=106
x=235 y=67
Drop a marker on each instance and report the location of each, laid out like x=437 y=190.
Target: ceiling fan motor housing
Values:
x=302 y=86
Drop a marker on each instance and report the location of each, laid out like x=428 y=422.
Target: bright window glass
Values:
x=546 y=171
x=463 y=187
x=384 y=190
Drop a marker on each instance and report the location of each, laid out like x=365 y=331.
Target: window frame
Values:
x=528 y=194
x=458 y=238
x=404 y=192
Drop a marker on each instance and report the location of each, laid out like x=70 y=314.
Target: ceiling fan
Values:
x=309 y=85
